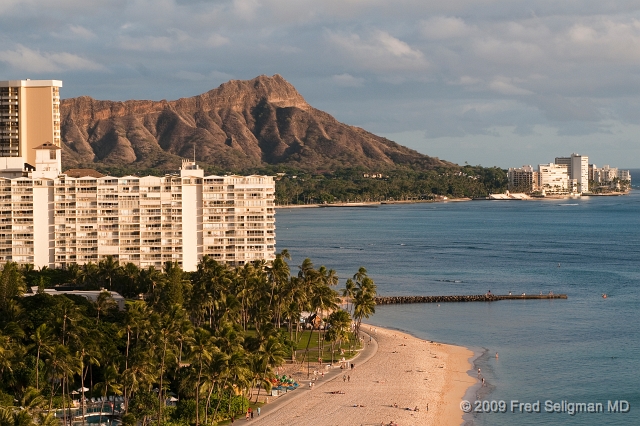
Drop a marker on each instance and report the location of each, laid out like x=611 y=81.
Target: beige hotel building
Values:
x=49 y=218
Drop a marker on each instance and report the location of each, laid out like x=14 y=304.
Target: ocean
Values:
x=585 y=349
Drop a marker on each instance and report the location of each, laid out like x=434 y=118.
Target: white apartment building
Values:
x=50 y=219
x=578 y=169
x=29 y=116
x=523 y=177
x=624 y=175
x=553 y=179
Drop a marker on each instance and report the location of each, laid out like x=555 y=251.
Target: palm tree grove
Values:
x=188 y=348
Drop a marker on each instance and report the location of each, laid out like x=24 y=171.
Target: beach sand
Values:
x=404 y=370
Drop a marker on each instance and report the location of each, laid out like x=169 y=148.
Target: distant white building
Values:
x=624 y=175
x=522 y=178
x=553 y=179
x=578 y=169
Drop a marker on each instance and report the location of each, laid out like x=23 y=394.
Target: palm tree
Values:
x=104 y=303
x=271 y=354
x=278 y=274
x=32 y=400
x=216 y=365
x=165 y=334
x=339 y=324
x=55 y=367
x=43 y=341
x=348 y=292
x=137 y=376
x=12 y=284
x=47 y=419
x=110 y=383
x=201 y=343
x=364 y=299
x=108 y=268
x=132 y=273
x=89 y=274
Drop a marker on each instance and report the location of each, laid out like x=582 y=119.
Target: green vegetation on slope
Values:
x=213 y=337
x=296 y=186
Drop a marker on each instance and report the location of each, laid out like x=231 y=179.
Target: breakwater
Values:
x=391 y=300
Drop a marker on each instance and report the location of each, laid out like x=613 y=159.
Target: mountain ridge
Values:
x=241 y=124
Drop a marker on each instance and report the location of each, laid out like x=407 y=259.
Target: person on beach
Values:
x=258 y=411
x=348 y=378
x=344 y=378
x=496 y=355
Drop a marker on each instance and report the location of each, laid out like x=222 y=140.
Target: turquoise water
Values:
x=582 y=350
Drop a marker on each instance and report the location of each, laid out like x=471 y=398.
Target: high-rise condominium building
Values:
x=29 y=116
x=523 y=179
x=48 y=218
x=553 y=178
x=52 y=219
x=578 y=169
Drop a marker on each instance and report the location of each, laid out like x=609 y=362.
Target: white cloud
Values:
x=466 y=80
x=347 y=80
x=505 y=86
x=215 y=76
x=379 y=51
x=442 y=27
x=146 y=43
x=246 y=9
x=81 y=32
x=216 y=40
x=24 y=59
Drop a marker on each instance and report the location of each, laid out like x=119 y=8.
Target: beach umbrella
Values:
x=83 y=390
x=173 y=399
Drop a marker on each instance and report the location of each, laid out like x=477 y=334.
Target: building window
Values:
x=52 y=154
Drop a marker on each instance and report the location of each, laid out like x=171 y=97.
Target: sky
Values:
x=492 y=82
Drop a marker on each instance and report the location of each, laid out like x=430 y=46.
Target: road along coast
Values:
x=395 y=373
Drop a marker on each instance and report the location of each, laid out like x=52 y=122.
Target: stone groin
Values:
x=392 y=300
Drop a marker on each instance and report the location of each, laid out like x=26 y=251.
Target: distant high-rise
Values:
x=29 y=117
x=553 y=178
x=523 y=179
x=578 y=169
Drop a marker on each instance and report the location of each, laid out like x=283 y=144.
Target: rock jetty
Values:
x=392 y=300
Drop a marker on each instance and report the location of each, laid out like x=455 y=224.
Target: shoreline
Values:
x=458 y=200
x=398 y=369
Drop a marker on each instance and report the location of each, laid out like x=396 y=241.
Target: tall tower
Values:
x=29 y=117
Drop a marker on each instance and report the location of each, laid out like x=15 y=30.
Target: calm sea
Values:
x=582 y=350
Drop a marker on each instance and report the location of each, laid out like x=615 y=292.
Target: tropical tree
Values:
x=339 y=324
x=12 y=284
x=43 y=340
x=110 y=384
x=364 y=302
x=104 y=303
x=108 y=268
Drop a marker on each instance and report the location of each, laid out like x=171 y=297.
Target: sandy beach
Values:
x=401 y=370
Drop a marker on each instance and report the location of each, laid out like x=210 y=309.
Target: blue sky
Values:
x=490 y=82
